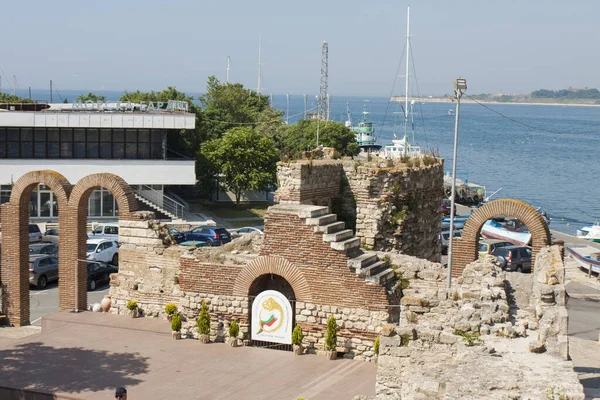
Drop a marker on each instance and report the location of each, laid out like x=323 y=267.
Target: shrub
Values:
x=331 y=334
x=234 y=329
x=132 y=305
x=170 y=309
x=176 y=323
x=376 y=345
x=469 y=337
x=297 y=336
x=203 y=322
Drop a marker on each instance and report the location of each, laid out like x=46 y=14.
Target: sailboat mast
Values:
x=259 y=65
x=228 y=60
x=407 y=82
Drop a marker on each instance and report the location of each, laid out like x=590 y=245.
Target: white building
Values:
x=76 y=140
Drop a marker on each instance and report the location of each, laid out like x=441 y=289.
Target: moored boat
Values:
x=495 y=230
x=587 y=257
x=364 y=131
x=591 y=232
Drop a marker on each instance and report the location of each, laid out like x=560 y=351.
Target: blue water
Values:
x=556 y=167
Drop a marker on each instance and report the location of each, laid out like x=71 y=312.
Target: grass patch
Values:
x=229 y=210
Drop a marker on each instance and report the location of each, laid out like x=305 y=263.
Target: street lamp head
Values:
x=461 y=84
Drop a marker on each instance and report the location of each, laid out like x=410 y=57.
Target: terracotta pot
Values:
x=203 y=339
x=106 y=303
x=298 y=349
x=176 y=335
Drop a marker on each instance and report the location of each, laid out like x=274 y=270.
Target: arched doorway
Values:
x=15 y=247
x=465 y=249
x=76 y=297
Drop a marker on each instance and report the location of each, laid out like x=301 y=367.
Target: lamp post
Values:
x=461 y=85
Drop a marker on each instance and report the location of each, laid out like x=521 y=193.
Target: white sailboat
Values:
x=401 y=147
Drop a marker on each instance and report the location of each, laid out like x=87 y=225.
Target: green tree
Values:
x=90 y=96
x=331 y=334
x=227 y=105
x=9 y=98
x=203 y=321
x=245 y=160
x=303 y=136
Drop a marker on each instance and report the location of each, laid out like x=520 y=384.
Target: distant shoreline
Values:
x=467 y=100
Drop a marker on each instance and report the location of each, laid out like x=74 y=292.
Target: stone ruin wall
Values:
x=154 y=271
x=425 y=358
x=395 y=208
x=389 y=206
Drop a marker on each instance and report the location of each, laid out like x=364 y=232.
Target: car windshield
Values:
x=173 y=230
x=91 y=247
x=220 y=231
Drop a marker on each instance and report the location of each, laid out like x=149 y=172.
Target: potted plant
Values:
x=331 y=338
x=234 y=330
x=176 y=326
x=297 y=337
x=132 y=307
x=376 y=349
x=203 y=324
x=170 y=309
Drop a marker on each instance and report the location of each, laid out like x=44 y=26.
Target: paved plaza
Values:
x=87 y=355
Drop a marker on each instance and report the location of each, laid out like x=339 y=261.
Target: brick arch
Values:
x=77 y=233
x=465 y=249
x=15 y=250
x=272 y=265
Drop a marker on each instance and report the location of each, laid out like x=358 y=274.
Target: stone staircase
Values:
x=365 y=265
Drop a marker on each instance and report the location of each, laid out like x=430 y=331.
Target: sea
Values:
x=541 y=154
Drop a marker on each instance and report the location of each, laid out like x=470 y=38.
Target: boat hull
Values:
x=489 y=231
x=587 y=257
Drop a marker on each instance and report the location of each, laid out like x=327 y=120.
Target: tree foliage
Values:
x=303 y=136
x=245 y=160
x=331 y=334
x=9 y=98
x=567 y=94
x=90 y=96
x=203 y=322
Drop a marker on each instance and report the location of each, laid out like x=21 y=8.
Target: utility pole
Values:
x=14 y=85
x=29 y=92
x=461 y=85
x=228 y=68
x=287 y=113
x=50 y=91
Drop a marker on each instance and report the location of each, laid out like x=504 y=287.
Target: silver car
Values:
x=42 y=269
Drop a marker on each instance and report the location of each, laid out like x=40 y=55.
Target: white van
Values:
x=108 y=230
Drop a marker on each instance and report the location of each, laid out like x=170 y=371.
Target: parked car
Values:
x=246 y=230
x=43 y=248
x=177 y=235
x=42 y=269
x=35 y=235
x=109 y=230
x=514 y=258
x=99 y=273
x=103 y=250
x=446 y=207
x=214 y=235
x=489 y=246
x=445 y=239
x=51 y=236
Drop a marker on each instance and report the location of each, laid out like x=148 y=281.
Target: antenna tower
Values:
x=323 y=91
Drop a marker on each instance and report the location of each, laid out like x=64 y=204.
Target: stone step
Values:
x=322 y=220
x=314 y=211
x=382 y=277
x=346 y=244
x=372 y=269
x=338 y=236
x=330 y=228
x=362 y=261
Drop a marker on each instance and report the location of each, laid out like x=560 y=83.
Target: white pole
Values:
x=406 y=83
x=259 y=50
x=453 y=200
x=228 y=68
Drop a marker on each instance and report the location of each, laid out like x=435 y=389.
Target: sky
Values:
x=499 y=47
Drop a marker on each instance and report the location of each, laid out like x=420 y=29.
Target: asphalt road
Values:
x=45 y=302
x=584 y=320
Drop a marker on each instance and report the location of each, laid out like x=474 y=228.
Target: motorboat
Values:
x=591 y=232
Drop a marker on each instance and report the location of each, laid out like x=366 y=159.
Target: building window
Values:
x=105 y=143
x=12 y=142
x=66 y=143
x=95 y=204
x=92 y=143
x=118 y=143
x=26 y=143
x=108 y=203
x=33 y=203
x=53 y=143
x=4 y=194
x=131 y=143
x=157 y=145
x=39 y=143
x=79 y=143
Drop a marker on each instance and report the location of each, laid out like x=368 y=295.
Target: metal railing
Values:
x=160 y=200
